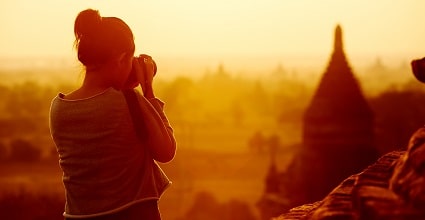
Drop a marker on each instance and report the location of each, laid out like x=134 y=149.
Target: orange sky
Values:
x=224 y=29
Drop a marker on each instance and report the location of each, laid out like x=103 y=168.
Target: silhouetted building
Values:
x=338 y=134
x=273 y=200
x=338 y=131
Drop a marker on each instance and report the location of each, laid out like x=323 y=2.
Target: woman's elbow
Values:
x=167 y=154
x=165 y=158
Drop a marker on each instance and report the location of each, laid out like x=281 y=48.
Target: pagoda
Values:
x=338 y=132
x=338 y=128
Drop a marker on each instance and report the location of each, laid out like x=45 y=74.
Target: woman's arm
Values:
x=161 y=141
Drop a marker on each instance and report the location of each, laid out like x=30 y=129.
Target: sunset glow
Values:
x=222 y=30
x=261 y=96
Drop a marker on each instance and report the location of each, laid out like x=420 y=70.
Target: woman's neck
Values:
x=95 y=82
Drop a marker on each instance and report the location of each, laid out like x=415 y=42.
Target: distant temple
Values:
x=338 y=138
x=338 y=129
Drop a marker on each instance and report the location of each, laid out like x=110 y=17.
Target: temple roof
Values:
x=339 y=92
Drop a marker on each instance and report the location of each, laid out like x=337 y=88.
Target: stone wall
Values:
x=366 y=195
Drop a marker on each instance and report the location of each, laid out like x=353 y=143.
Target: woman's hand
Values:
x=144 y=68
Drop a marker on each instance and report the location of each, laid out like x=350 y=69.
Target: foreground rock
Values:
x=368 y=195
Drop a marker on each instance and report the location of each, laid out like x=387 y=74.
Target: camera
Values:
x=141 y=58
x=418 y=69
x=132 y=80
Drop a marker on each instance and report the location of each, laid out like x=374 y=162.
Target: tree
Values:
x=257 y=142
x=397 y=115
x=3 y=152
x=24 y=151
x=206 y=207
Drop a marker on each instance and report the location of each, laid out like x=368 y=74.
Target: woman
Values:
x=108 y=169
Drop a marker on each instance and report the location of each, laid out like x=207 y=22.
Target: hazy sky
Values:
x=224 y=28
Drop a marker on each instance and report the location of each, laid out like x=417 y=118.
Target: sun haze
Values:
x=224 y=30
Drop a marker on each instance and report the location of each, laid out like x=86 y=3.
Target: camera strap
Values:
x=136 y=114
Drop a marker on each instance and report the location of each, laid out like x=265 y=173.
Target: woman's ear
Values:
x=124 y=61
x=123 y=57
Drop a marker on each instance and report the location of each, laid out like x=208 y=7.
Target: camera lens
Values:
x=418 y=69
x=145 y=56
x=154 y=67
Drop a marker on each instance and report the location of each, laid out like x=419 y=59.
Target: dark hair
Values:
x=98 y=39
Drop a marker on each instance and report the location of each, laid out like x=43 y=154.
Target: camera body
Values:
x=141 y=59
x=132 y=80
x=418 y=69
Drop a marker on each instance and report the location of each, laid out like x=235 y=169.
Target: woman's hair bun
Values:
x=98 y=39
x=87 y=23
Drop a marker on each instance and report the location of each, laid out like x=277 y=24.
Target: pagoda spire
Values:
x=338 y=44
x=338 y=127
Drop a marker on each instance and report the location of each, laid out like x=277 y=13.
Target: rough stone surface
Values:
x=408 y=179
x=366 y=195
